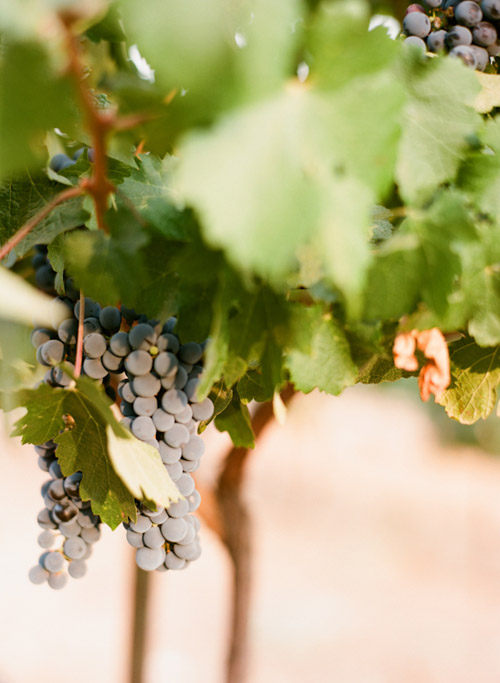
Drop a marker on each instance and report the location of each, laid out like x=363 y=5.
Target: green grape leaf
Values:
x=440 y=94
x=480 y=172
x=256 y=334
x=23 y=197
x=108 y=268
x=115 y=466
x=26 y=68
x=221 y=397
x=322 y=357
x=484 y=289
x=55 y=255
x=475 y=373
x=251 y=388
x=216 y=350
x=394 y=279
x=445 y=231
x=341 y=46
x=147 y=182
x=231 y=218
x=380 y=369
x=108 y=28
x=235 y=420
x=236 y=52
x=316 y=172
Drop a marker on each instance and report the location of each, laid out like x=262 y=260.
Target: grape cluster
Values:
x=160 y=407
x=465 y=29
x=69 y=527
x=156 y=379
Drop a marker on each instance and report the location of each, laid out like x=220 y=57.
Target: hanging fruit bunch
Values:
x=464 y=29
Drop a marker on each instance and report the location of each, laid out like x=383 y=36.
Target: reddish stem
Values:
x=33 y=222
x=79 y=338
x=99 y=125
x=133 y=120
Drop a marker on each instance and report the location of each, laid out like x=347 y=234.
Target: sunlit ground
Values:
x=376 y=560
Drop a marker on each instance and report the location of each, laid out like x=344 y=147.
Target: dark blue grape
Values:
x=60 y=161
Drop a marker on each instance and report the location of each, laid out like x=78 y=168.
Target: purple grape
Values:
x=417 y=24
x=459 y=35
x=436 y=41
x=491 y=9
x=468 y=13
x=416 y=42
x=485 y=34
x=466 y=54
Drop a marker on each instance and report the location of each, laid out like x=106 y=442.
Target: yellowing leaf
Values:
x=140 y=468
x=20 y=302
x=489 y=97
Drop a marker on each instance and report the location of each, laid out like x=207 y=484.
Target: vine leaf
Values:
x=146 y=182
x=108 y=267
x=380 y=369
x=26 y=68
x=475 y=373
x=79 y=420
x=336 y=60
x=138 y=466
x=480 y=172
x=394 y=278
x=489 y=97
x=322 y=357
x=55 y=255
x=24 y=196
x=25 y=303
x=251 y=388
x=235 y=419
x=439 y=99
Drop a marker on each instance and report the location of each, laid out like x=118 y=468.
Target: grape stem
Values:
x=99 y=124
x=225 y=512
x=38 y=218
x=79 y=337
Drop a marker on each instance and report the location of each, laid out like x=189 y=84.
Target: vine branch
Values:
x=38 y=218
x=225 y=512
x=99 y=125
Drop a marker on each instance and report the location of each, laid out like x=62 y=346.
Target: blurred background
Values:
x=375 y=559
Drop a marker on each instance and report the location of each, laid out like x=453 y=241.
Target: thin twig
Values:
x=235 y=534
x=38 y=218
x=79 y=337
x=123 y=123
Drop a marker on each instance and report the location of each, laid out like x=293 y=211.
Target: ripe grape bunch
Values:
x=156 y=378
x=464 y=29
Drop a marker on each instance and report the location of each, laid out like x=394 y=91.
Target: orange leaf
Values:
x=434 y=377
x=404 y=351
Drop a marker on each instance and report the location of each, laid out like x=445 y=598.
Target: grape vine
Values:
x=316 y=200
